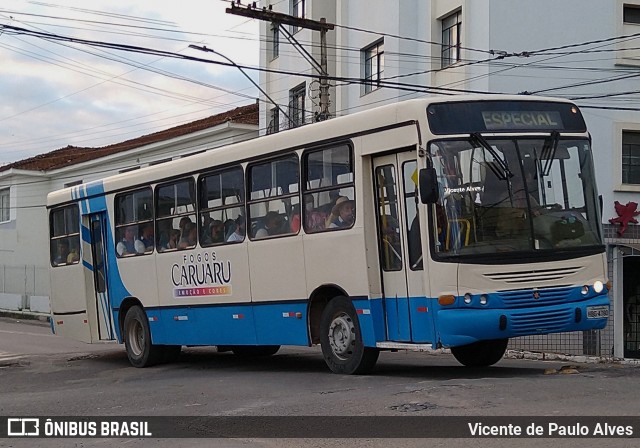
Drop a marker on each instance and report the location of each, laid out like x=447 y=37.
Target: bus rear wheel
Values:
x=481 y=353
x=341 y=339
x=137 y=339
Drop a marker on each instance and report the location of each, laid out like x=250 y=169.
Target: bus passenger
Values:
x=147 y=237
x=130 y=245
x=271 y=225
x=341 y=214
x=238 y=235
x=314 y=219
x=189 y=235
x=214 y=234
x=62 y=253
x=174 y=237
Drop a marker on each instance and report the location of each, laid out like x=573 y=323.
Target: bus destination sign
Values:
x=517 y=119
x=465 y=117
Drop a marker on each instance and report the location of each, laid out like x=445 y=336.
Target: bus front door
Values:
x=102 y=304
x=407 y=313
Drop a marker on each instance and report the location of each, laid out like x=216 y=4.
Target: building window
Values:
x=158 y=162
x=631 y=158
x=4 y=205
x=373 y=66
x=275 y=40
x=73 y=184
x=222 y=207
x=274 y=198
x=126 y=170
x=134 y=222
x=274 y=121
x=297 y=10
x=451 y=27
x=297 y=98
x=631 y=14
x=64 y=226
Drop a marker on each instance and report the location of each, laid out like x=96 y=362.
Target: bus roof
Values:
x=304 y=136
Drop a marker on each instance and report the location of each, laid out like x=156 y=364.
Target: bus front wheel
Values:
x=341 y=339
x=481 y=353
x=137 y=339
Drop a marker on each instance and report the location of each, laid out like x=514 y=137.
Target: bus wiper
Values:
x=477 y=138
x=549 y=151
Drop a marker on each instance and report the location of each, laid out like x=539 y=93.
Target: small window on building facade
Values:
x=222 y=207
x=373 y=66
x=5 y=214
x=297 y=10
x=126 y=170
x=451 y=27
x=275 y=40
x=631 y=14
x=176 y=225
x=274 y=201
x=134 y=222
x=297 y=99
x=631 y=158
x=274 y=121
x=73 y=184
x=64 y=231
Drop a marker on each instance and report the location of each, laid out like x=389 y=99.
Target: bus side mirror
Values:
x=428 y=184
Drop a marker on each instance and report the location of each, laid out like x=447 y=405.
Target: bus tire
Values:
x=341 y=339
x=254 y=351
x=137 y=339
x=481 y=353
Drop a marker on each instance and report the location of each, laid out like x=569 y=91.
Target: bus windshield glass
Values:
x=514 y=194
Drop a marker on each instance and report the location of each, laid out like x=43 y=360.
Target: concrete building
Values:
x=24 y=185
x=586 y=50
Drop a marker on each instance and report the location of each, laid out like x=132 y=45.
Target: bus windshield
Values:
x=514 y=194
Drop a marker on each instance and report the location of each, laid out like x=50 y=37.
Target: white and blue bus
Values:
x=455 y=222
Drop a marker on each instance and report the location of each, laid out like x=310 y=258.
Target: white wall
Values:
x=24 y=241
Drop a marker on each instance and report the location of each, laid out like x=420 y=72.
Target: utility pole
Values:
x=284 y=19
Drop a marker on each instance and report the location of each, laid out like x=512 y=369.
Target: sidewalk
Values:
x=25 y=315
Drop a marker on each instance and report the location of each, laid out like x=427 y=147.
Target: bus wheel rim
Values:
x=342 y=336
x=136 y=338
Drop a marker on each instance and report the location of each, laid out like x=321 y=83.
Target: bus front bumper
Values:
x=460 y=326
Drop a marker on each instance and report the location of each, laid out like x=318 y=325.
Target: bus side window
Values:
x=221 y=206
x=274 y=198
x=176 y=215
x=134 y=223
x=64 y=236
x=328 y=178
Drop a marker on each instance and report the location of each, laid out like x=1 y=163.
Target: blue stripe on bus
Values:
x=96 y=202
x=87 y=265
x=86 y=234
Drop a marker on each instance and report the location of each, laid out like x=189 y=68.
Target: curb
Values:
x=25 y=315
x=581 y=359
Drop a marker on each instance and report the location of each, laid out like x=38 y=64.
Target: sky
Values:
x=54 y=94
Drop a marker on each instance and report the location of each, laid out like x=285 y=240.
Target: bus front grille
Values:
x=529 y=323
x=533 y=275
x=535 y=297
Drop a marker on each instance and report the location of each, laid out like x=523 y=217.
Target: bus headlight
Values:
x=598 y=286
x=467 y=298
x=585 y=290
x=483 y=299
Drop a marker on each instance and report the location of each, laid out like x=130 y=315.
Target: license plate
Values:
x=597 y=312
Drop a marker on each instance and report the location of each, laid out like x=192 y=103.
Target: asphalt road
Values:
x=42 y=374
